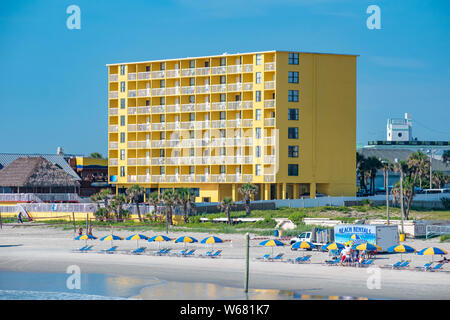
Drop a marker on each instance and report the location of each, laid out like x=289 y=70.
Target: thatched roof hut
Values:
x=29 y=174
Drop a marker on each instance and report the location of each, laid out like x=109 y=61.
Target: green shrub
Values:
x=297 y=217
x=445 y=238
x=445 y=202
x=266 y=223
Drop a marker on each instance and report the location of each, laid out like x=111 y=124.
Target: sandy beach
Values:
x=43 y=249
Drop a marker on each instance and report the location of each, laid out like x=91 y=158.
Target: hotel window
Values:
x=258 y=133
x=122 y=103
x=293 y=96
x=222 y=169
x=162 y=101
x=293 y=77
x=258 y=96
x=223 y=80
x=162 y=83
x=293 y=151
x=162 y=66
x=191 y=152
x=161 y=153
x=162 y=118
x=222 y=115
x=258 y=152
x=122 y=69
x=223 y=62
x=122 y=137
x=191 y=116
x=223 y=151
x=162 y=135
x=223 y=133
x=258 y=170
x=192 y=82
x=258 y=77
x=223 y=97
x=258 y=59
x=122 y=154
x=191 y=134
x=292 y=114
x=147 y=102
x=122 y=171
x=292 y=169
x=191 y=99
x=292 y=133
x=191 y=170
x=293 y=58
x=147 y=68
x=122 y=120
x=258 y=114
x=122 y=86
x=192 y=64
x=162 y=170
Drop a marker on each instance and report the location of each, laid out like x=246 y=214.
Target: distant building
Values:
x=93 y=173
x=399 y=129
x=36 y=175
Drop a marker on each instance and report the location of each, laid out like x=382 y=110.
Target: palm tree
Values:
x=225 y=206
x=439 y=178
x=96 y=155
x=183 y=195
x=417 y=163
x=361 y=169
x=154 y=199
x=400 y=166
x=372 y=165
x=135 y=193
x=169 y=199
x=247 y=190
x=96 y=198
x=105 y=195
x=116 y=204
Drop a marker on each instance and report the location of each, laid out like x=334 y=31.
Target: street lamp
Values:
x=386 y=186
x=431 y=170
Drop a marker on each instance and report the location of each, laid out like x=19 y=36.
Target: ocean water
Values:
x=54 y=286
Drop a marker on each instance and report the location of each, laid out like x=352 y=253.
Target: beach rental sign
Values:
x=344 y=233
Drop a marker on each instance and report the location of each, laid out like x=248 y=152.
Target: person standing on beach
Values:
x=80 y=231
x=90 y=231
x=19 y=218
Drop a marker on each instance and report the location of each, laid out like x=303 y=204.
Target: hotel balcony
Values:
x=203 y=89
x=173 y=91
x=218 y=106
x=269 y=85
x=144 y=92
x=113 y=145
x=113 y=111
x=269 y=103
x=144 y=110
x=173 y=108
x=269 y=122
x=157 y=74
x=173 y=73
x=219 y=88
x=158 y=126
x=247 y=86
x=113 y=94
x=113 y=161
x=158 y=109
x=113 y=128
x=269 y=178
x=188 y=72
x=131 y=178
x=219 y=70
x=248 y=68
x=203 y=106
x=143 y=161
x=158 y=143
x=187 y=107
x=215 y=124
x=235 y=86
x=144 y=144
x=269 y=159
x=131 y=161
x=144 y=75
x=132 y=144
x=202 y=71
x=234 y=69
x=158 y=91
x=269 y=66
x=132 y=76
x=269 y=141
x=131 y=110
x=143 y=127
x=132 y=93
x=188 y=90
x=158 y=161
x=113 y=77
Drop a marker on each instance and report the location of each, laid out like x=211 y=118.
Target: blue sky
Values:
x=53 y=80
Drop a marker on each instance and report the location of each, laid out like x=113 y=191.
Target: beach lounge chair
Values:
x=139 y=250
x=426 y=266
x=277 y=257
x=162 y=251
x=296 y=260
x=332 y=262
x=301 y=259
x=110 y=250
x=366 y=263
x=188 y=253
x=209 y=253
x=264 y=257
x=216 y=254
x=436 y=267
x=80 y=249
x=87 y=249
x=403 y=265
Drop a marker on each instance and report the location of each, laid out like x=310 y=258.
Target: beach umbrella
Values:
x=401 y=248
x=366 y=247
x=333 y=246
x=158 y=239
x=349 y=242
x=185 y=239
x=137 y=237
x=431 y=251
x=212 y=240
x=111 y=237
x=85 y=237
x=303 y=245
x=272 y=243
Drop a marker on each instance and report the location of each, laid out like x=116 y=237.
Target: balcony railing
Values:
x=269 y=141
x=143 y=127
x=144 y=75
x=269 y=178
x=144 y=110
x=158 y=91
x=203 y=106
x=218 y=88
x=113 y=111
x=113 y=161
x=233 y=105
x=235 y=69
x=113 y=94
x=235 y=86
x=131 y=110
x=247 y=178
x=131 y=161
x=144 y=92
x=215 y=106
x=143 y=161
x=173 y=73
x=158 y=109
x=187 y=72
x=173 y=108
x=132 y=76
x=132 y=144
x=203 y=89
x=173 y=125
x=158 y=143
x=247 y=105
x=132 y=93
x=248 y=86
x=269 y=103
x=188 y=90
x=113 y=77
x=158 y=161
x=248 y=68
x=157 y=74
x=269 y=66
x=187 y=124
x=132 y=178
x=158 y=126
x=132 y=127
x=202 y=71
x=113 y=128
x=144 y=144
x=113 y=145
x=269 y=159
x=218 y=124
x=219 y=70
x=268 y=85
x=269 y=122
x=173 y=90
x=144 y=178
x=187 y=107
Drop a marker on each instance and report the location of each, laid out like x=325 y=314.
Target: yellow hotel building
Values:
x=284 y=121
